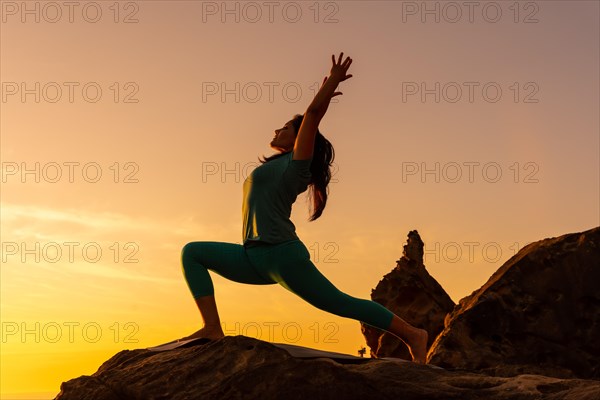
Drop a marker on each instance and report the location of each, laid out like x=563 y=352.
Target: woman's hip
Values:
x=272 y=258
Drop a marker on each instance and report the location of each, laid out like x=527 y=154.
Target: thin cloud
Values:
x=95 y=220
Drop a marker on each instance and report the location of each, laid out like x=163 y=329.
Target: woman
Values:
x=272 y=252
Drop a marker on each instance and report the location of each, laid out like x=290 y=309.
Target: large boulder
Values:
x=239 y=367
x=539 y=313
x=412 y=294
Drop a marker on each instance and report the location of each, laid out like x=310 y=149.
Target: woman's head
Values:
x=320 y=168
x=285 y=137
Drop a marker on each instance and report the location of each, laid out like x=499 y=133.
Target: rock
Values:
x=523 y=335
x=538 y=313
x=239 y=367
x=412 y=294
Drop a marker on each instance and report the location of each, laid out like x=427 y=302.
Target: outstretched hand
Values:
x=338 y=71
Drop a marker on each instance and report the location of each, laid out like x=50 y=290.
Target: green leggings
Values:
x=286 y=263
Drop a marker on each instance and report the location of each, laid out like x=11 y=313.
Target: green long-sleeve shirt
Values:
x=269 y=192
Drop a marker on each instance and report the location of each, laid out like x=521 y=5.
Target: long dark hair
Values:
x=323 y=156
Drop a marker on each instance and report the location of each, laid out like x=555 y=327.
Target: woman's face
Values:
x=284 y=138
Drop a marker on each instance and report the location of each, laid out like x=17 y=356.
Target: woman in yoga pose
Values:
x=272 y=252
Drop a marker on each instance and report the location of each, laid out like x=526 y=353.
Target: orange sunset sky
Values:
x=128 y=128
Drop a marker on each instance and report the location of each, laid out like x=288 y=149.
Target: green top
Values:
x=269 y=192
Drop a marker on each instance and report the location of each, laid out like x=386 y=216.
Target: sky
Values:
x=127 y=130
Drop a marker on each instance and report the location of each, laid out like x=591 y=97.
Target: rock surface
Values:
x=239 y=367
x=538 y=313
x=411 y=293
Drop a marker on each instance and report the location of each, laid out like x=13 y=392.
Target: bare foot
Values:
x=418 y=346
x=209 y=332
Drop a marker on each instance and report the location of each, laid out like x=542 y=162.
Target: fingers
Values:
x=346 y=63
x=339 y=61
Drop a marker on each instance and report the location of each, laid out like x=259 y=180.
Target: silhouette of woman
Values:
x=272 y=252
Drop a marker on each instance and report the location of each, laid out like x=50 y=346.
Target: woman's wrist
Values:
x=324 y=95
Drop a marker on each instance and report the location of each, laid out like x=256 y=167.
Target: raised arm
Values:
x=305 y=140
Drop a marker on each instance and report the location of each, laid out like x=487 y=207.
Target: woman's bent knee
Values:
x=189 y=254
x=185 y=251
x=191 y=249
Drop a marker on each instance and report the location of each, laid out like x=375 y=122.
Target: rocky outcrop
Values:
x=531 y=332
x=411 y=293
x=539 y=313
x=239 y=367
